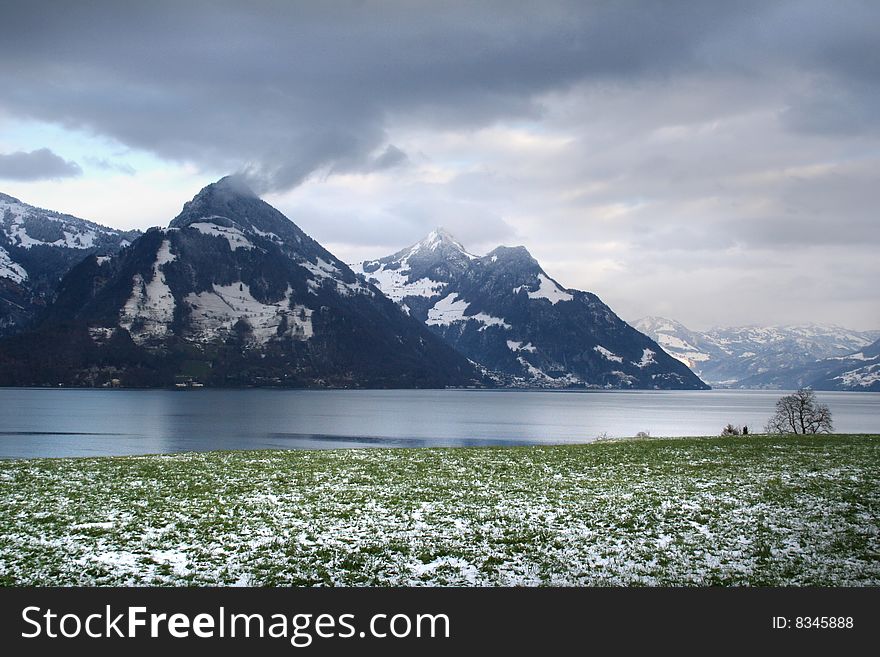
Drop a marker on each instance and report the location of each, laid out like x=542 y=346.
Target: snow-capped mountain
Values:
x=231 y=293
x=504 y=312
x=37 y=248
x=858 y=371
x=756 y=357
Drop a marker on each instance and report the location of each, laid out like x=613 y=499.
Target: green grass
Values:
x=699 y=511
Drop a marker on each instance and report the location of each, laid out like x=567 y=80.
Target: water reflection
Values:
x=51 y=422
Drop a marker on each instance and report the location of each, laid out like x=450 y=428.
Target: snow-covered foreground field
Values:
x=743 y=511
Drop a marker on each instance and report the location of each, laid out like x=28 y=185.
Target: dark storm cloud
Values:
x=391 y=157
x=41 y=164
x=281 y=90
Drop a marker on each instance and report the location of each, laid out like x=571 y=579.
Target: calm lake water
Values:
x=48 y=422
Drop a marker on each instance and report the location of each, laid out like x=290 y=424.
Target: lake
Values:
x=67 y=422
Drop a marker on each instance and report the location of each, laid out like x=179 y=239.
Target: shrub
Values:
x=730 y=430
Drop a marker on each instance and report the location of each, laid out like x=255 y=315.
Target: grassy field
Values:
x=702 y=511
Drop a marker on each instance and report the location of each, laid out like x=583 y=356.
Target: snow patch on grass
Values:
x=767 y=511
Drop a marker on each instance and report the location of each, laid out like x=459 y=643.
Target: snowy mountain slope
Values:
x=504 y=312
x=37 y=248
x=859 y=371
x=756 y=357
x=231 y=293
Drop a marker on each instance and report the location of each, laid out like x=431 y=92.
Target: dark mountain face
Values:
x=502 y=310
x=231 y=293
x=37 y=248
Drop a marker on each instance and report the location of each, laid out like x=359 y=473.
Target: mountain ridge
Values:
x=504 y=311
x=37 y=248
x=785 y=357
x=230 y=293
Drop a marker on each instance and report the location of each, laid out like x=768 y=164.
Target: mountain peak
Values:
x=439 y=234
x=225 y=189
x=233 y=184
x=440 y=238
x=505 y=313
x=655 y=324
x=229 y=199
x=512 y=253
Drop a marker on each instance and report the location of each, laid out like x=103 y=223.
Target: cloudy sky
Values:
x=714 y=162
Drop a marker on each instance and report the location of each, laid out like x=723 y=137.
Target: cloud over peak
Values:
x=286 y=90
x=707 y=143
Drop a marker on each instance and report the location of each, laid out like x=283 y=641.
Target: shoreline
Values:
x=503 y=446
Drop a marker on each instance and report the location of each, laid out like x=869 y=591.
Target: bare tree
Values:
x=730 y=430
x=799 y=412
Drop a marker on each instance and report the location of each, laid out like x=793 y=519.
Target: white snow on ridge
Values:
x=321 y=270
x=450 y=309
x=488 y=320
x=447 y=310
x=858 y=356
x=681 y=350
x=424 y=287
x=215 y=314
x=436 y=237
x=347 y=289
x=861 y=377
x=84 y=240
x=534 y=372
x=609 y=355
x=673 y=342
x=518 y=346
x=151 y=303
x=547 y=289
x=100 y=334
x=324 y=270
x=78 y=240
x=646 y=360
x=269 y=235
x=328 y=267
x=394 y=283
x=75 y=237
x=393 y=277
x=624 y=377
x=11 y=270
x=236 y=238
x=550 y=291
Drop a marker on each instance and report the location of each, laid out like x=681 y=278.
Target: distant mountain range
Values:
x=37 y=248
x=232 y=293
x=503 y=311
x=784 y=357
